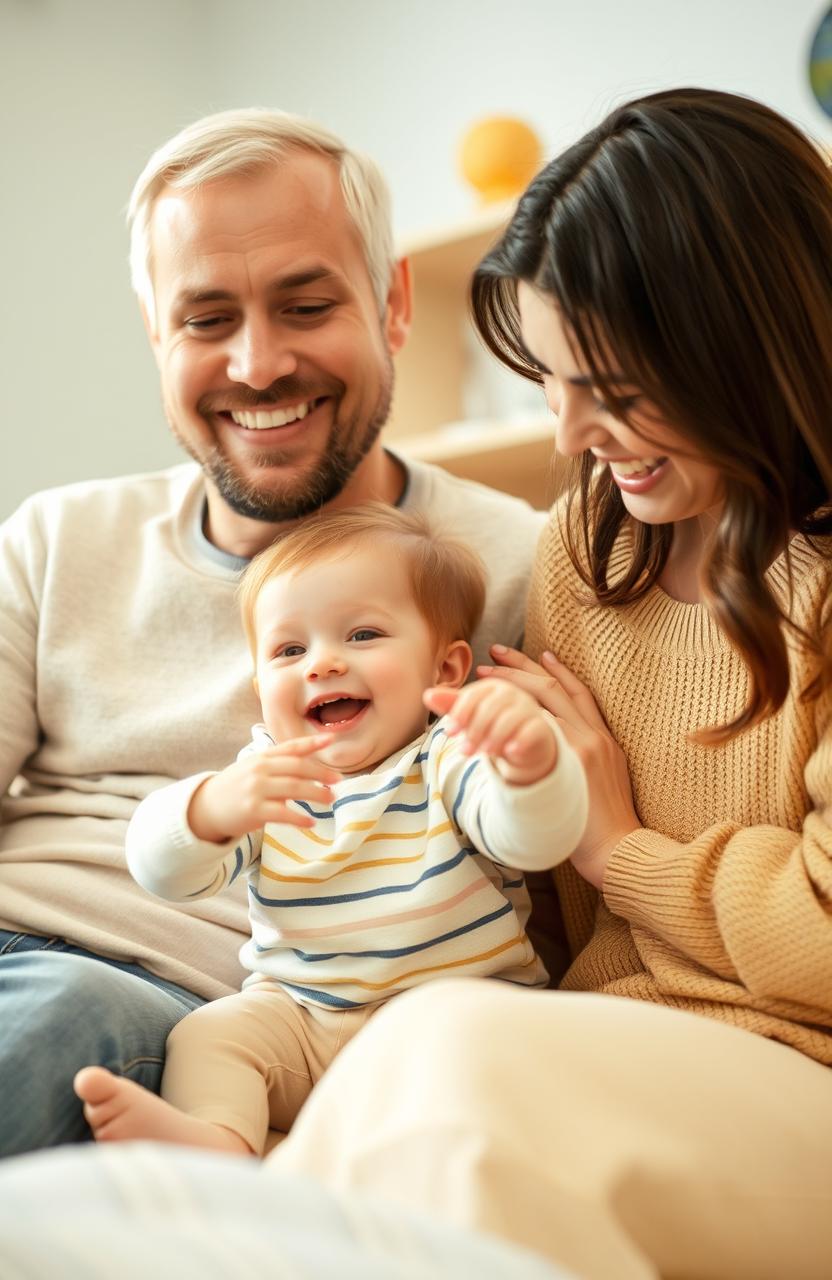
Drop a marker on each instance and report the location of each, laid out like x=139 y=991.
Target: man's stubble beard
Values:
x=327 y=476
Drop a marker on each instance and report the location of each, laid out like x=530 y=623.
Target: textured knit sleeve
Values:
x=753 y=904
x=22 y=565
x=166 y=858
x=531 y=827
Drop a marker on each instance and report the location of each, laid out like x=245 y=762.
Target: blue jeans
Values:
x=63 y=1008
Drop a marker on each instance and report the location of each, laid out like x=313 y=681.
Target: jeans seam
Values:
x=14 y=942
x=146 y=1060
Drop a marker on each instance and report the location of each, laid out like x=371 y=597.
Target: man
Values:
x=261 y=254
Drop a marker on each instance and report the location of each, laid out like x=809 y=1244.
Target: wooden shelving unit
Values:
x=442 y=371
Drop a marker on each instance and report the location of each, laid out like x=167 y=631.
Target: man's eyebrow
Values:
x=292 y=280
x=296 y=279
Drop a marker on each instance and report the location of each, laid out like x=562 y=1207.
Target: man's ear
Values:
x=399 y=309
x=452 y=668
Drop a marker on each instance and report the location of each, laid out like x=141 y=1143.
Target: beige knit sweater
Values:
x=722 y=904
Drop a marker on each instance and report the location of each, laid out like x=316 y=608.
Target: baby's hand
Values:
x=502 y=721
x=255 y=790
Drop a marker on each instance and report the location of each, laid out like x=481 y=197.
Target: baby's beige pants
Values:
x=249 y=1061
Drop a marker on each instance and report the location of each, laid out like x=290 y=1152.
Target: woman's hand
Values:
x=612 y=815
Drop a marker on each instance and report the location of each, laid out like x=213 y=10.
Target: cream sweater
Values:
x=723 y=904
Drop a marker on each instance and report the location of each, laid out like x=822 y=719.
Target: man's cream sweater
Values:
x=722 y=904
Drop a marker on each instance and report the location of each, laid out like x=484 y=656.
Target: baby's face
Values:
x=342 y=648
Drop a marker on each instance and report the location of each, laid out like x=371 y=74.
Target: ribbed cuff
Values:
x=646 y=878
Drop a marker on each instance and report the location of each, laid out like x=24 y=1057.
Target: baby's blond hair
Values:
x=447 y=577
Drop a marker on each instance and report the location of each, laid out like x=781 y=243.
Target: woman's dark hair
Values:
x=689 y=238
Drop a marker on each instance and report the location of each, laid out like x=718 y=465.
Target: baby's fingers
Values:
x=468 y=705
x=283 y=765
x=291 y=787
x=490 y=734
x=440 y=699
x=280 y=812
x=305 y=746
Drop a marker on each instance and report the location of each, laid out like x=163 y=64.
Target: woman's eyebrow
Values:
x=587 y=380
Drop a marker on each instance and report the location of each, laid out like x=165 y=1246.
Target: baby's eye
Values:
x=365 y=633
x=290 y=651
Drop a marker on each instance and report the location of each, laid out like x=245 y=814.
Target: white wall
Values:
x=404 y=78
x=89 y=87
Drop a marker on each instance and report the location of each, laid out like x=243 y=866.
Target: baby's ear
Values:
x=453 y=666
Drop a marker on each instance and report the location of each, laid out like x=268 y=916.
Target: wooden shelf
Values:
x=517 y=458
x=443 y=375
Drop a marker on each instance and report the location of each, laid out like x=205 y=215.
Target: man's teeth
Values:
x=634 y=466
x=261 y=420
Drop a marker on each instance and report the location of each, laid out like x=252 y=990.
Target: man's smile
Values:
x=262 y=419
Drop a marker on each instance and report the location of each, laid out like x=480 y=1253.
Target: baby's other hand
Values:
x=502 y=721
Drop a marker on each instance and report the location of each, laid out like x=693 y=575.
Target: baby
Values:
x=382 y=850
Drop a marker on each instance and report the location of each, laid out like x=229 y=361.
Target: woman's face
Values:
x=659 y=479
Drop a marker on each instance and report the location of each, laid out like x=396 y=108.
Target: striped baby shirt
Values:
x=412 y=873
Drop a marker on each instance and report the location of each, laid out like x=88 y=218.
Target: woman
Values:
x=668 y=281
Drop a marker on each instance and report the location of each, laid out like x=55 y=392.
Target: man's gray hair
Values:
x=245 y=141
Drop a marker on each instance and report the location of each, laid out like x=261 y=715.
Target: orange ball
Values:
x=499 y=156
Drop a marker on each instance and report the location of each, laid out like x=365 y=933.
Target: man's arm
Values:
x=22 y=567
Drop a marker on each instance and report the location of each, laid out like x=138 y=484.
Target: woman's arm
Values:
x=752 y=905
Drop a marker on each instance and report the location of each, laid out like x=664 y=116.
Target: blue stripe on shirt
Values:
x=462 y=785
x=334 y=899
x=342 y=800
x=393 y=952
x=323 y=997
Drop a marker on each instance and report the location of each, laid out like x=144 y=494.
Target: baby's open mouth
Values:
x=336 y=711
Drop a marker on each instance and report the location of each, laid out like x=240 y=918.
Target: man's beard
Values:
x=282 y=501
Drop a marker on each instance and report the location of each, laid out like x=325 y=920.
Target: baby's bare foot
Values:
x=118 y=1110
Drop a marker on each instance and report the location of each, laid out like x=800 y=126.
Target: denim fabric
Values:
x=62 y=1008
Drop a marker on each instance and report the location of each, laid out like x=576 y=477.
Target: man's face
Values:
x=275 y=365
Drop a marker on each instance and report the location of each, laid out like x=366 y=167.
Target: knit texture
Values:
x=721 y=904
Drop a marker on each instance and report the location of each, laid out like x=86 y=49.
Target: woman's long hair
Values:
x=689 y=238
